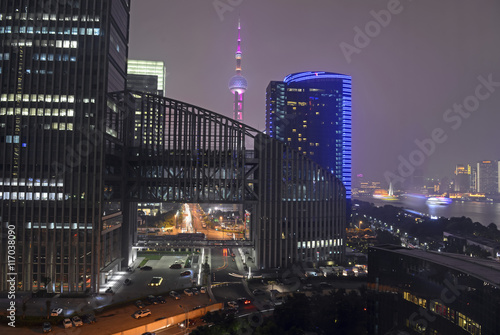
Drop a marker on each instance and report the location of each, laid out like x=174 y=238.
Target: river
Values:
x=482 y=212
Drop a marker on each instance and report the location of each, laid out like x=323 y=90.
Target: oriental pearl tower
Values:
x=238 y=83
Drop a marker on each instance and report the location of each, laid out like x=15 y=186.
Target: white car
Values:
x=77 y=322
x=188 y=292
x=203 y=289
x=142 y=313
x=56 y=311
x=67 y=323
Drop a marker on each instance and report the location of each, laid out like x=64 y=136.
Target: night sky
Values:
x=424 y=59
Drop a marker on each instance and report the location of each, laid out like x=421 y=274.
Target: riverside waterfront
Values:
x=482 y=212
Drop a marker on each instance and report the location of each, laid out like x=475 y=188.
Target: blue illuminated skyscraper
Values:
x=311 y=111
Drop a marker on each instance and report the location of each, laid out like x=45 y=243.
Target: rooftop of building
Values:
x=484 y=269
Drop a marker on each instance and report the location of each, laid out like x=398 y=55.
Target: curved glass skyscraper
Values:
x=311 y=111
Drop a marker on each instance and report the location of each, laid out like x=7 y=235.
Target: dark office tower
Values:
x=311 y=111
x=59 y=59
x=462 y=178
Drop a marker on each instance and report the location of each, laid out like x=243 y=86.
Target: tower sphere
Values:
x=238 y=83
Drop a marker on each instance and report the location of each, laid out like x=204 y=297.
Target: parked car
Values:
x=258 y=292
x=203 y=289
x=139 y=304
x=188 y=292
x=127 y=281
x=176 y=266
x=152 y=299
x=175 y=295
x=232 y=304
x=47 y=327
x=195 y=291
x=146 y=268
x=67 y=323
x=89 y=318
x=77 y=322
x=185 y=273
x=161 y=299
x=56 y=312
x=142 y=313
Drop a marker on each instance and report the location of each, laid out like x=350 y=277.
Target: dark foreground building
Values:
x=423 y=292
x=58 y=61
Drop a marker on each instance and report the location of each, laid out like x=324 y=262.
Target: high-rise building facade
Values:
x=238 y=84
x=146 y=76
x=462 y=178
x=487 y=177
x=311 y=111
x=58 y=61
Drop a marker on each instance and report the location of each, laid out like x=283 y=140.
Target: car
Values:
x=89 y=318
x=161 y=299
x=195 y=291
x=244 y=301
x=232 y=304
x=176 y=266
x=146 y=268
x=152 y=299
x=77 y=322
x=188 y=292
x=109 y=290
x=127 y=281
x=67 y=323
x=56 y=312
x=203 y=289
x=47 y=327
x=258 y=292
x=175 y=295
x=141 y=313
x=185 y=273
x=139 y=304
x=190 y=322
x=156 y=281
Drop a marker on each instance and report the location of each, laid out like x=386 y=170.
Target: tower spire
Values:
x=238 y=83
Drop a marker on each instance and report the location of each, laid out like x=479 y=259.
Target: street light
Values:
x=186 y=320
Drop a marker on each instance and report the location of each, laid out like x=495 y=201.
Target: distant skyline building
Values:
x=311 y=111
x=146 y=76
x=238 y=84
x=487 y=177
x=59 y=61
x=462 y=178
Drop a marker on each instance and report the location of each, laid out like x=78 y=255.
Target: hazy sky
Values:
x=407 y=72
